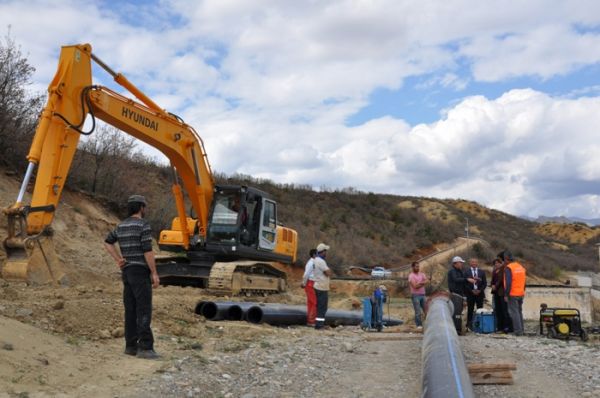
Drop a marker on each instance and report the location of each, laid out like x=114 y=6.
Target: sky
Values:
x=496 y=102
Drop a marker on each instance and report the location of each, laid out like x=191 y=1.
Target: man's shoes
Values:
x=147 y=354
x=131 y=351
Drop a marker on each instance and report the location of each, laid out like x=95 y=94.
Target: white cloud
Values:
x=270 y=84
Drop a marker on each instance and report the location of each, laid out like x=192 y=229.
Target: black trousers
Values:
x=457 y=302
x=322 y=302
x=473 y=300
x=503 y=321
x=137 y=299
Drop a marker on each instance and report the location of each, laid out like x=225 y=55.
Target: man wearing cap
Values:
x=456 y=285
x=321 y=274
x=138 y=272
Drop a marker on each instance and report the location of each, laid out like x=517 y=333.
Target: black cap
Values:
x=137 y=199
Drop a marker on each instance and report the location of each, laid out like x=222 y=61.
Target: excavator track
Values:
x=245 y=277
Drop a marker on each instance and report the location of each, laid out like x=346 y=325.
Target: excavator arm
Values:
x=71 y=98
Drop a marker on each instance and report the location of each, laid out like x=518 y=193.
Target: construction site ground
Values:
x=67 y=341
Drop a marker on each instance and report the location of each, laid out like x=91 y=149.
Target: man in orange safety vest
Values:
x=515 y=276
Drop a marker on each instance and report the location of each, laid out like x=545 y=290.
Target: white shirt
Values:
x=309 y=271
x=321 y=280
x=474 y=273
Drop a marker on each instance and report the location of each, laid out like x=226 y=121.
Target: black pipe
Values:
x=217 y=311
x=277 y=314
x=444 y=373
x=274 y=314
x=238 y=311
x=199 y=305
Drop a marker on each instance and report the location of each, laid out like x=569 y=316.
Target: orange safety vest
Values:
x=518 y=275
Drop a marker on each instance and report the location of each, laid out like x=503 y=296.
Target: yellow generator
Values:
x=561 y=323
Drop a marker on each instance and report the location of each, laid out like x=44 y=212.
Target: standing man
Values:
x=475 y=287
x=138 y=271
x=514 y=290
x=417 y=281
x=322 y=273
x=497 y=285
x=308 y=283
x=456 y=285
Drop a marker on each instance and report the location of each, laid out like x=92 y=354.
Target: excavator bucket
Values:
x=33 y=260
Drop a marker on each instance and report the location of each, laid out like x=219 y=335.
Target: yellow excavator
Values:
x=234 y=245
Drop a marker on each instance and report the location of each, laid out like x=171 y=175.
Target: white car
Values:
x=380 y=272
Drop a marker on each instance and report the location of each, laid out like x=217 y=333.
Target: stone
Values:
x=24 y=312
x=59 y=305
x=104 y=334
x=226 y=376
x=118 y=332
x=348 y=347
x=7 y=346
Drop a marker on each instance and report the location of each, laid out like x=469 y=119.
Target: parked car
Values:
x=380 y=272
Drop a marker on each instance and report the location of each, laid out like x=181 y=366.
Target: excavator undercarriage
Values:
x=223 y=278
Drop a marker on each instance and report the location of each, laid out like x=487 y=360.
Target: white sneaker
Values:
x=419 y=327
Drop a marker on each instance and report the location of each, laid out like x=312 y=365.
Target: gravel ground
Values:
x=545 y=367
x=301 y=362
x=297 y=362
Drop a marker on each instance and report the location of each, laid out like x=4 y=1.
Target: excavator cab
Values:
x=242 y=220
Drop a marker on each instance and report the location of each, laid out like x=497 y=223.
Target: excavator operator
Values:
x=138 y=269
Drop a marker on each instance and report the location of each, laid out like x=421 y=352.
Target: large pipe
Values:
x=217 y=311
x=277 y=314
x=238 y=311
x=274 y=314
x=444 y=373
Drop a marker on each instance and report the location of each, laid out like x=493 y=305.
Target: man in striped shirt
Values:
x=138 y=270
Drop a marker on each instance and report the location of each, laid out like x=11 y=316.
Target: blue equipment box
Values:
x=484 y=323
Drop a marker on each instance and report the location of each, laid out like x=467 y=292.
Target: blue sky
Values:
x=496 y=102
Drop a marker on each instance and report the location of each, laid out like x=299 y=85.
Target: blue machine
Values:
x=484 y=322
x=373 y=310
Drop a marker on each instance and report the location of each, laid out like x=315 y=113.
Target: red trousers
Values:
x=311 y=303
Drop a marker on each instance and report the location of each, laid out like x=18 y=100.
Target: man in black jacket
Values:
x=476 y=283
x=456 y=285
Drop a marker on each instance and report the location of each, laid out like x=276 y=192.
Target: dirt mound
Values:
x=572 y=233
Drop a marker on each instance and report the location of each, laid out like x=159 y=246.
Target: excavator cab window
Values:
x=225 y=215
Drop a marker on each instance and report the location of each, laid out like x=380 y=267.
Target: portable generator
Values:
x=561 y=323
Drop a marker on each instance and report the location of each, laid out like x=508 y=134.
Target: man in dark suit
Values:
x=475 y=285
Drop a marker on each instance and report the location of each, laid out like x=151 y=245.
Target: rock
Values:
x=7 y=346
x=348 y=347
x=2 y=308
x=59 y=305
x=104 y=334
x=118 y=332
x=24 y=312
x=226 y=376
x=248 y=396
x=586 y=394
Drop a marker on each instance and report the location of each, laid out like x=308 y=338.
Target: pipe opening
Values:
x=254 y=315
x=198 y=309
x=209 y=310
x=235 y=313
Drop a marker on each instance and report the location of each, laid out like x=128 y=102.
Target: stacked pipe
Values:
x=275 y=314
x=444 y=374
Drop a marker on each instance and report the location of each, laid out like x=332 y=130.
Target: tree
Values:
x=18 y=108
x=105 y=147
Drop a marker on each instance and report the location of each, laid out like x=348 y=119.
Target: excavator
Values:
x=233 y=245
